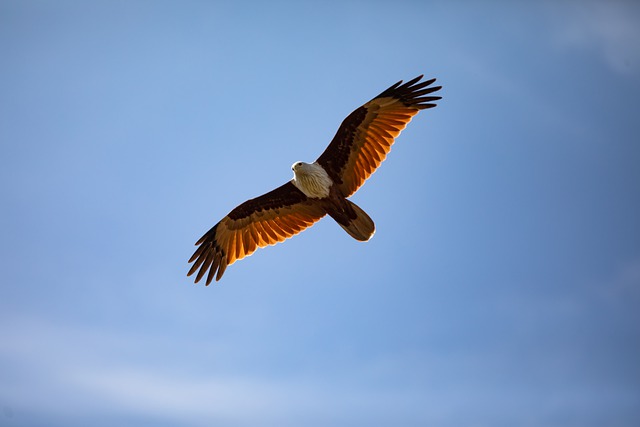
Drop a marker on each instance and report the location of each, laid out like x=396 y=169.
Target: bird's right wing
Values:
x=263 y=221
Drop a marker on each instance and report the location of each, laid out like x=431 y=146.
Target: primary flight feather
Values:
x=361 y=144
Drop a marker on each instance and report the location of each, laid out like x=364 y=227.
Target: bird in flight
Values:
x=320 y=188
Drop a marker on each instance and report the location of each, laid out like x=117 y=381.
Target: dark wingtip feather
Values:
x=413 y=81
x=212 y=271
x=195 y=266
x=205 y=266
x=221 y=269
x=412 y=92
x=395 y=85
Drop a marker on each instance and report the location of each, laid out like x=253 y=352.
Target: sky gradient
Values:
x=502 y=287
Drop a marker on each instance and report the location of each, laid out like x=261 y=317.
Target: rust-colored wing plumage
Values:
x=263 y=221
x=365 y=137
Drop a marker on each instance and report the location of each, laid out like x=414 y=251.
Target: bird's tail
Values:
x=355 y=221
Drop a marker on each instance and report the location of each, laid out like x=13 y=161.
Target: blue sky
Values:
x=502 y=287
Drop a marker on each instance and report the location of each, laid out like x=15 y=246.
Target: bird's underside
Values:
x=360 y=145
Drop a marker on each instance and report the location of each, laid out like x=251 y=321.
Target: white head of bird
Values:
x=311 y=179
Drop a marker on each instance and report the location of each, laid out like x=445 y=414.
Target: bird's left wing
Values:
x=263 y=221
x=365 y=137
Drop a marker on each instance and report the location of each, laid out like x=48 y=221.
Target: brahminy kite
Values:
x=361 y=144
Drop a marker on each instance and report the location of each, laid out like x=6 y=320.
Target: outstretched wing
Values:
x=263 y=221
x=365 y=137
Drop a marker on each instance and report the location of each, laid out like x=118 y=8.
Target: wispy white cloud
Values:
x=75 y=372
x=199 y=400
x=609 y=28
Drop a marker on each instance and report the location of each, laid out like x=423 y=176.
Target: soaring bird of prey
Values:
x=320 y=188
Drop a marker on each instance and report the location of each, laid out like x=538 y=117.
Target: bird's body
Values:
x=319 y=188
